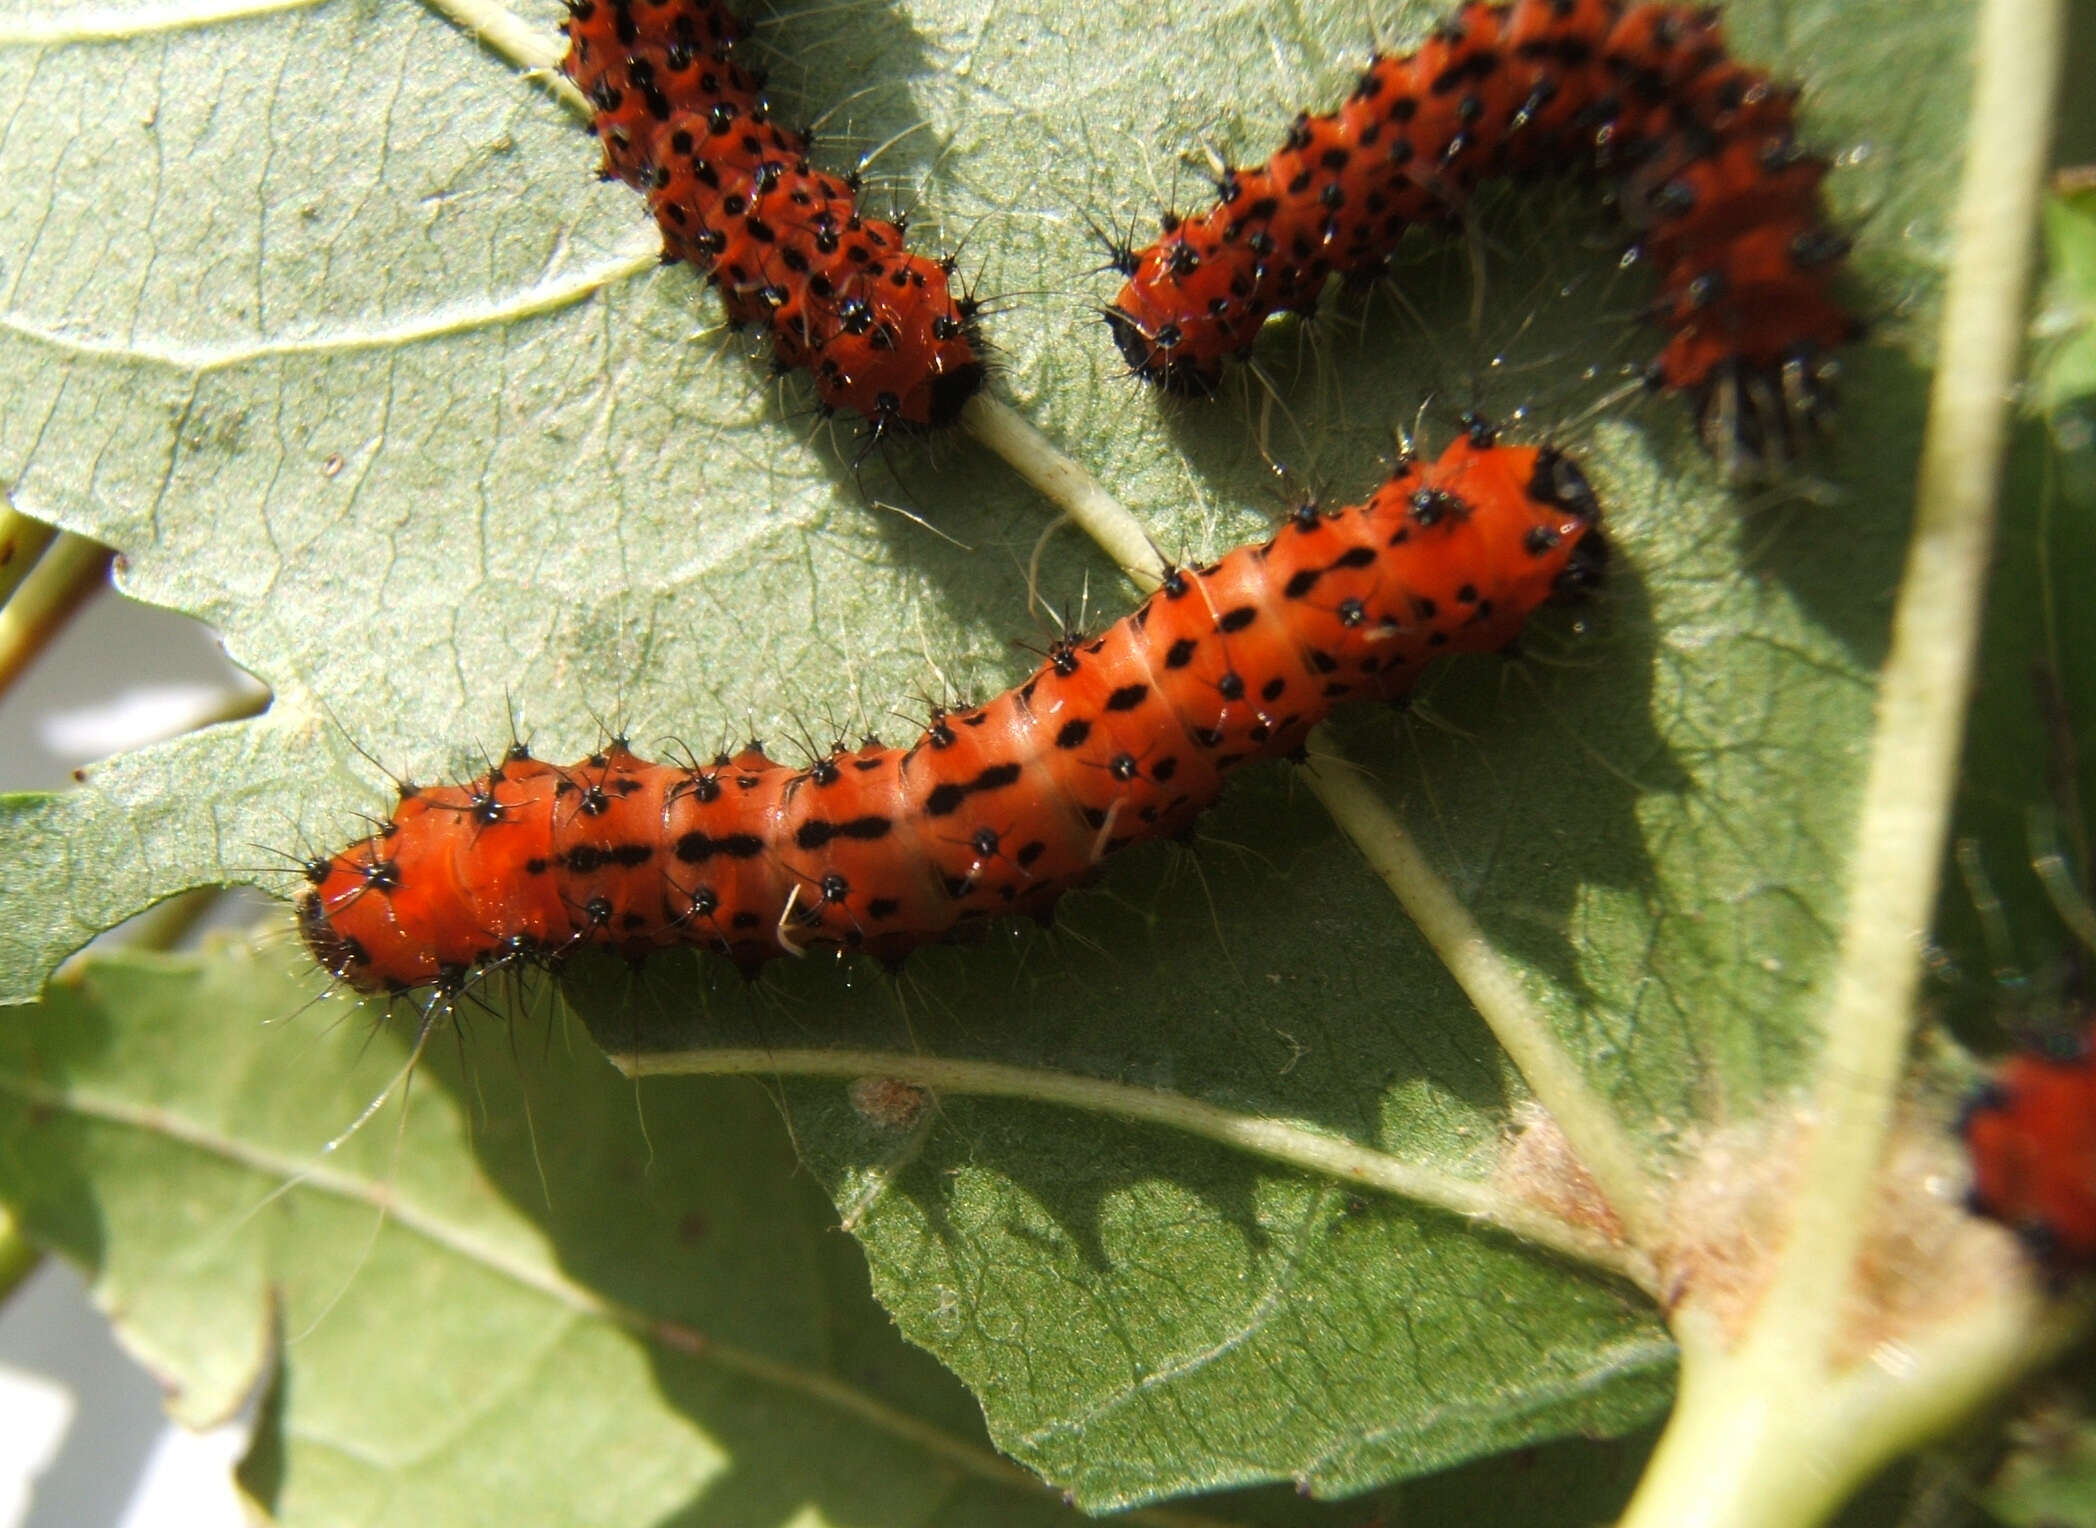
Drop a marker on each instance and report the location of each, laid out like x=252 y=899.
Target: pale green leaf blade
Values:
x=598 y=1331
x=545 y=1295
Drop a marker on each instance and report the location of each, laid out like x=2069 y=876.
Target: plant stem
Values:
x=1935 y=640
x=1590 y=1125
x=1090 y=507
x=1766 y=1438
x=1273 y=1139
x=1772 y=1430
x=508 y=35
x=68 y=572
x=22 y=542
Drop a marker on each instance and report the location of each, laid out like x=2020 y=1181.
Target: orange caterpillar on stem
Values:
x=839 y=292
x=995 y=809
x=1698 y=147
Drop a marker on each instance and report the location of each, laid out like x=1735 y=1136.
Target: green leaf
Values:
x=534 y=1293
x=473 y=1329
x=316 y=314
x=2069 y=372
x=2048 y=1479
x=1142 y=1314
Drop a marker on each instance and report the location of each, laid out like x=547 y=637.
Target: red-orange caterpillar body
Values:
x=839 y=292
x=1700 y=150
x=995 y=809
x=2032 y=1136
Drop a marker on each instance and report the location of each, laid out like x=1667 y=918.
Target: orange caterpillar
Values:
x=1722 y=201
x=2032 y=1137
x=839 y=292
x=995 y=809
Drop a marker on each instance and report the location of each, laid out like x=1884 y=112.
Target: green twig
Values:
x=22 y=542
x=1935 y=641
x=1275 y=1140
x=1774 y=1428
x=1068 y=486
x=71 y=570
x=1589 y=1123
x=507 y=35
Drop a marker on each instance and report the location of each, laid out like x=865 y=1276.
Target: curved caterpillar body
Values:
x=996 y=808
x=839 y=292
x=2032 y=1137
x=1718 y=195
